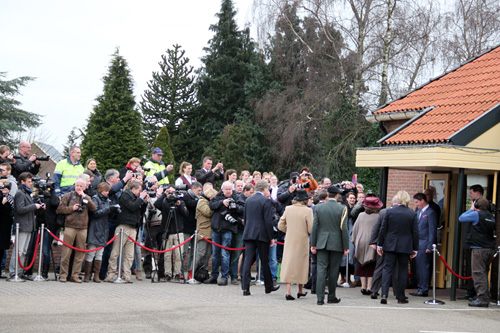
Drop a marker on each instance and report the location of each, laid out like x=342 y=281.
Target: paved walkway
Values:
x=173 y=307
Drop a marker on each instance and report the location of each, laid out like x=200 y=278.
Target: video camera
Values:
x=38 y=158
x=43 y=184
x=143 y=161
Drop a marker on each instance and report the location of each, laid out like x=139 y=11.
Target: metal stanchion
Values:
x=434 y=301
x=346 y=284
x=498 y=277
x=258 y=281
x=16 y=278
x=119 y=278
x=192 y=280
x=39 y=277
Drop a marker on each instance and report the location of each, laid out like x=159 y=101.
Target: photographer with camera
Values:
x=75 y=205
x=191 y=200
x=24 y=215
x=228 y=208
x=129 y=218
x=207 y=174
x=24 y=162
x=6 y=216
x=5 y=155
x=286 y=190
x=173 y=210
x=5 y=173
x=67 y=171
x=156 y=167
x=307 y=178
x=153 y=228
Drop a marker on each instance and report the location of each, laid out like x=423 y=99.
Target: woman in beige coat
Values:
x=297 y=223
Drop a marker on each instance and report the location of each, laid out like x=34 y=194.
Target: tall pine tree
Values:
x=170 y=97
x=113 y=133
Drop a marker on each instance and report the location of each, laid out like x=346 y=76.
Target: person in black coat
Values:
x=286 y=190
x=208 y=174
x=191 y=201
x=173 y=211
x=398 y=240
x=6 y=216
x=258 y=235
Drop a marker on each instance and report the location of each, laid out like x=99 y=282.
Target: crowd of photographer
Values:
x=86 y=210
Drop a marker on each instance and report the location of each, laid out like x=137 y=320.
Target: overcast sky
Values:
x=67 y=46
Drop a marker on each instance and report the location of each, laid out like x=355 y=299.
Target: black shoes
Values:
x=466 y=297
x=273 y=288
x=420 y=293
x=289 y=297
x=320 y=302
x=246 y=292
x=383 y=300
x=477 y=303
x=373 y=295
x=403 y=301
x=299 y=295
x=365 y=292
x=334 y=300
x=222 y=282
x=210 y=280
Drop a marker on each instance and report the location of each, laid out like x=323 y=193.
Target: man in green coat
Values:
x=329 y=241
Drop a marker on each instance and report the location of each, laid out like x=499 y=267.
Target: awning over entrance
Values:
x=428 y=157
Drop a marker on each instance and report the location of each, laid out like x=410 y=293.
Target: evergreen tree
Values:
x=221 y=81
x=12 y=118
x=163 y=142
x=170 y=96
x=113 y=133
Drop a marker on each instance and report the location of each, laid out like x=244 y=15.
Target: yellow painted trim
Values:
x=428 y=156
x=488 y=139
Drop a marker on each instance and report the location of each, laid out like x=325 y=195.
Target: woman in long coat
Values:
x=297 y=223
x=365 y=255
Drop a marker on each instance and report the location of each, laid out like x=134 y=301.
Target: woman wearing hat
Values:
x=297 y=223
x=365 y=255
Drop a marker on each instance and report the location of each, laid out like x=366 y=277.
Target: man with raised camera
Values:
x=24 y=215
x=67 y=171
x=286 y=190
x=306 y=177
x=174 y=211
x=25 y=162
x=5 y=173
x=156 y=167
x=227 y=207
x=131 y=202
x=75 y=205
x=207 y=174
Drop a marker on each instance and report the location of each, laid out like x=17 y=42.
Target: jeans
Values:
x=273 y=263
x=221 y=257
x=236 y=243
x=185 y=248
x=47 y=244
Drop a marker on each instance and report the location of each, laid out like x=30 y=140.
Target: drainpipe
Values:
x=456 y=242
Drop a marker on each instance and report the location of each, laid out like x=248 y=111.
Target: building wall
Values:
x=410 y=181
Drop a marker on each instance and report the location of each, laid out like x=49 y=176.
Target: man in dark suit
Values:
x=398 y=240
x=207 y=174
x=427 y=230
x=258 y=234
x=329 y=241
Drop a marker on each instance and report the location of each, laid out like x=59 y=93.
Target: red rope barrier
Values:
x=227 y=248
x=82 y=250
x=452 y=272
x=157 y=251
x=279 y=243
x=34 y=255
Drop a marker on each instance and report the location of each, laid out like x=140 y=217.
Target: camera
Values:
x=7 y=186
x=80 y=207
x=231 y=219
x=38 y=158
x=303 y=185
x=42 y=184
x=232 y=203
x=149 y=190
x=143 y=160
x=115 y=209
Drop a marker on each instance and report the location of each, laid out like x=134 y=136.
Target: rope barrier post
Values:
x=498 y=277
x=16 y=277
x=39 y=277
x=258 y=281
x=346 y=284
x=192 y=280
x=434 y=301
x=119 y=278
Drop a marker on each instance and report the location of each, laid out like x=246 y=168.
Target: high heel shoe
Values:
x=299 y=295
x=289 y=297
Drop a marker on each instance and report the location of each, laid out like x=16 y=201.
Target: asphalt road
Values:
x=173 y=307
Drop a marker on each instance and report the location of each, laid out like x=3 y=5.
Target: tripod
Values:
x=172 y=216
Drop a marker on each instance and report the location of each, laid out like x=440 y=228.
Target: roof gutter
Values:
x=420 y=114
x=399 y=115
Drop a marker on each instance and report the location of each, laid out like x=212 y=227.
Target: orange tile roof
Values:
x=458 y=97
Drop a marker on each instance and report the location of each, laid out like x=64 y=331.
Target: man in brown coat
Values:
x=76 y=206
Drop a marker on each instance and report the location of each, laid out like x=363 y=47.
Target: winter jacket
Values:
x=98 y=225
x=219 y=221
x=74 y=219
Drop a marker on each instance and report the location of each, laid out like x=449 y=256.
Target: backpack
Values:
x=61 y=218
x=201 y=273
